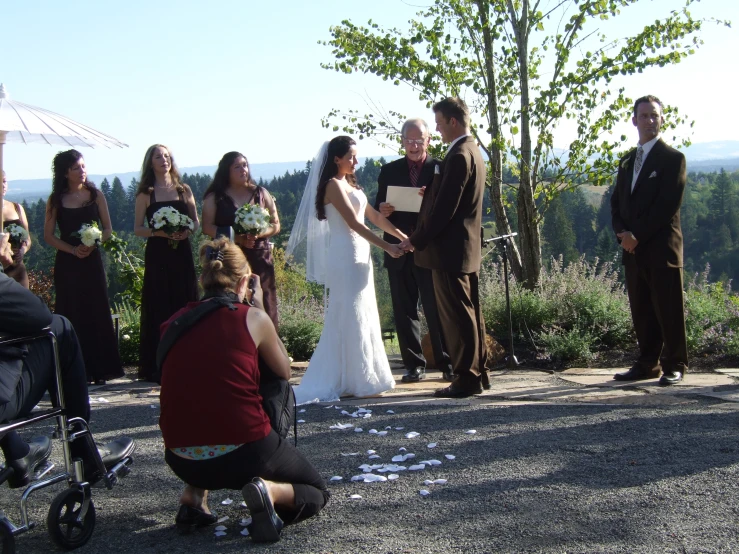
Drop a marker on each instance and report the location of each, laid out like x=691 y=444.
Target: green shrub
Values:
x=301 y=323
x=711 y=316
x=130 y=331
x=568 y=345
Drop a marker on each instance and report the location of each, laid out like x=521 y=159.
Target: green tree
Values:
x=105 y=187
x=559 y=237
x=118 y=205
x=522 y=79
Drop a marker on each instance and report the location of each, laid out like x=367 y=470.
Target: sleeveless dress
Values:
x=16 y=271
x=350 y=357
x=259 y=257
x=82 y=297
x=169 y=284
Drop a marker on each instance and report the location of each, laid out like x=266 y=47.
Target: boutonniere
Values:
x=625 y=163
x=653 y=174
x=437 y=171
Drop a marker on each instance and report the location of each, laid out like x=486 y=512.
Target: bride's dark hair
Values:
x=338 y=147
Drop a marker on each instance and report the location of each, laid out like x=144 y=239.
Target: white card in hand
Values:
x=404 y=199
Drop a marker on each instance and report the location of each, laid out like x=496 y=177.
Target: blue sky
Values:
x=209 y=77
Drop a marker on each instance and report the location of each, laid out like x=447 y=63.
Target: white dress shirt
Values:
x=646 y=147
x=456 y=140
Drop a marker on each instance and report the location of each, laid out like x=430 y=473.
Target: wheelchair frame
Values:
x=61 y=512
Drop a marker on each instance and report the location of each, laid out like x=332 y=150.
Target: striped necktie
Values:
x=414 y=175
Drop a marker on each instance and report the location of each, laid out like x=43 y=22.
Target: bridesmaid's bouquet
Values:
x=89 y=234
x=171 y=221
x=251 y=219
x=17 y=235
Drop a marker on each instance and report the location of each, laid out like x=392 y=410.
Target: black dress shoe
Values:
x=637 y=373
x=188 y=518
x=453 y=391
x=111 y=453
x=23 y=468
x=671 y=378
x=265 y=524
x=448 y=376
x=414 y=375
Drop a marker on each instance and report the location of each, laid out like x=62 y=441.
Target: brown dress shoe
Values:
x=453 y=391
x=671 y=378
x=638 y=373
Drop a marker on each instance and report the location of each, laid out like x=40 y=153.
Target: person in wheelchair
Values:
x=216 y=432
x=27 y=372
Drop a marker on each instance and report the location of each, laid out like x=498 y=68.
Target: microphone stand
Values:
x=502 y=243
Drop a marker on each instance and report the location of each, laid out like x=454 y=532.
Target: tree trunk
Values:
x=528 y=226
x=502 y=225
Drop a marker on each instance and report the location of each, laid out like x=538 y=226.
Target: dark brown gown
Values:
x=82 y=297
x=17 y=271
x=259 y=257
x=169 y=284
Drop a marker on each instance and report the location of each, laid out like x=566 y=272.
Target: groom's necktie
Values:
x=638 y=161
x=414 y=175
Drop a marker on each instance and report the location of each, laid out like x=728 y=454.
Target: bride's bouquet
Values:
x=171 y=221
x=89 y=234
x=251 y=219
x=17 y=235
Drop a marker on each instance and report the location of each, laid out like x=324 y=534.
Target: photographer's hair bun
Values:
x=223 y=265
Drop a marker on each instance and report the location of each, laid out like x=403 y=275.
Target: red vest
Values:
x=210 y=383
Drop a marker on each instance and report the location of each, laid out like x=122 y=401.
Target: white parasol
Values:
x=20 y=122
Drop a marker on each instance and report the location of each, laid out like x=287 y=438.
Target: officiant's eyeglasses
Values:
x=417 y=142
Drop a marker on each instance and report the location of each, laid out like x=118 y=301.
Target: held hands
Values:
x=406 y=245
x=82 y=251
x=180 y=235
x=247 y=241
x=628 y=241
x=18 y=255
x=254 y=293
x=394 y=250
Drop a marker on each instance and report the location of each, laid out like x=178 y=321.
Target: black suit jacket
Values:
x=397 y=174
x=21 y=312
x=448 y=233
x=652 y=211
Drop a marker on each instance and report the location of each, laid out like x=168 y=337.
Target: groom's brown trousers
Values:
x=462 y=325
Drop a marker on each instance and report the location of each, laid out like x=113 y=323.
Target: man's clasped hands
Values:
x=387 y=210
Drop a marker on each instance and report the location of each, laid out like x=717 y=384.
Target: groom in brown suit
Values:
x=447 y=241
x=645 y=212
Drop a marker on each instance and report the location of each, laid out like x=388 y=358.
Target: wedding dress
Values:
x=350 y=357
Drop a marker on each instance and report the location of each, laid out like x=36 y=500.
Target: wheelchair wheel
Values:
x=6 y=538
x=66 y=528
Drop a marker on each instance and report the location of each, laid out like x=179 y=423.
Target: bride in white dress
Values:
x=350 y=358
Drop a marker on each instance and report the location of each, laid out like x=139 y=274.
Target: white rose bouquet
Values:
x=251 y=219
x=17 y=235
x=171 y=221
x=89 y=234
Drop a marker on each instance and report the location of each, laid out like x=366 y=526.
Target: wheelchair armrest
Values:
x=7 y=339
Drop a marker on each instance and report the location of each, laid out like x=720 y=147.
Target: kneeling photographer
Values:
x=216 y=432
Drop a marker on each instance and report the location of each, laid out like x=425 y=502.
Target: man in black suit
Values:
x=645 y=211
x=27 y=372
x=409 y=281
x=447 y=241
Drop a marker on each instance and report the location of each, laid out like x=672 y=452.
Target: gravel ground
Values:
x=533 y=478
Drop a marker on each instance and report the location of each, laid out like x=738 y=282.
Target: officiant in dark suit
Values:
x=645 y=211
x=408 y=281
x=447 y=241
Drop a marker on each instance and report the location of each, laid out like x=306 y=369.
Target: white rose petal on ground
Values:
x=388 y=428
x=417 y=467
x=358 y=430
x=370 y=452
x=336 y=478
x=245 y=532
x=470 y=432
x=220 y=528
x=244 y=522
x=431 y=445
x=424 y=492
x=341 y=426
x=222 y=519
x=382 y=433
x=227 y=502
x=392 y=477
x=399 y=428
x=450 y=456
x=356 y=497
x=440 y=481
x=301 y=411
x=301 y=421
x=350 y=453
x=390 y=412
x=402 y=449
x=220 y=533
x=428 y=482
x=374 y=457
x=329 y=407
x=243 y=504
x=433 y=462
x=412 y=435
x=373 y=431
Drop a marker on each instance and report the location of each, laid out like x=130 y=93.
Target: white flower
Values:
x=89 y=234
x=126 y=337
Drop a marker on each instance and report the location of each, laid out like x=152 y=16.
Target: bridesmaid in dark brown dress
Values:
x=13 y=213
x=169 y=273
x=79 y=276
x=232 y=187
